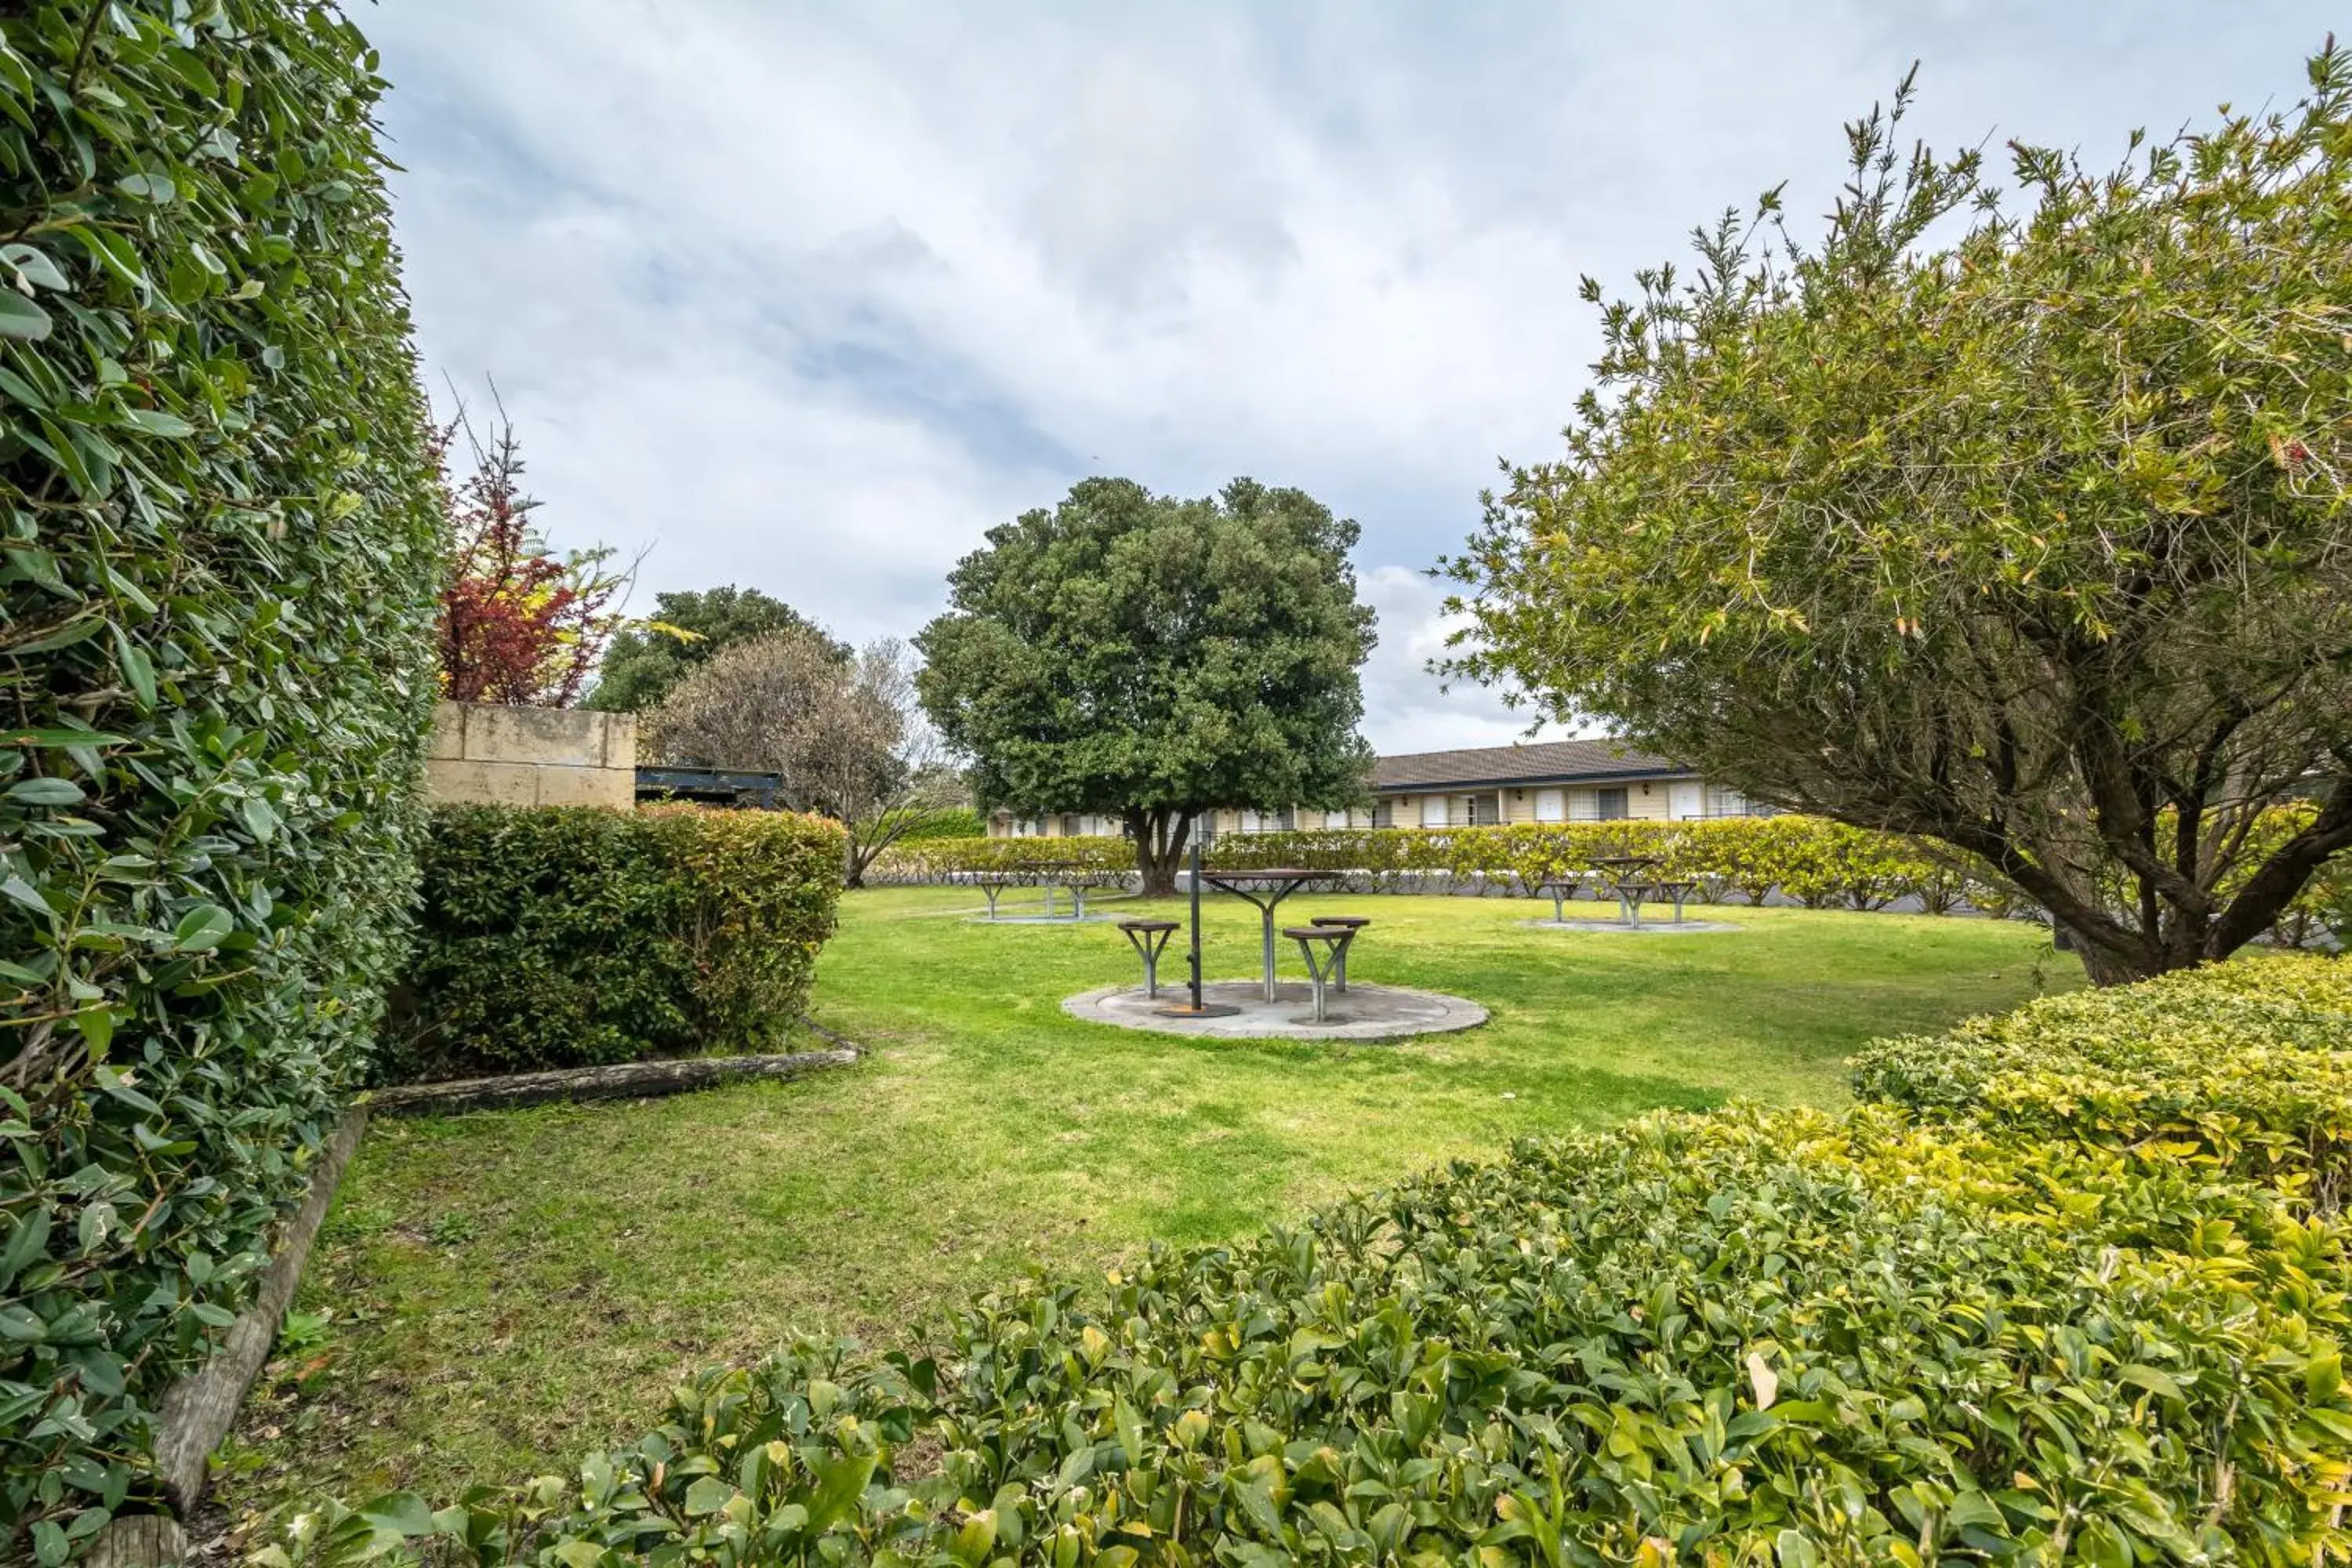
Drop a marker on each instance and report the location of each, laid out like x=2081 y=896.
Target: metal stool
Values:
x=1149 y=939
x=1335 y=953
x=1339 y=958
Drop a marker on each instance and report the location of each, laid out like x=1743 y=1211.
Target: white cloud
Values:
x=808 y=296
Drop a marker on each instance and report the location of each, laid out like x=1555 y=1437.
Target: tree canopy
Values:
x=2033 y=542
x=1150 y=657
x=844 y=735
x=645 y=661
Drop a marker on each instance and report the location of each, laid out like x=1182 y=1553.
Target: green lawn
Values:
x=506 y=1289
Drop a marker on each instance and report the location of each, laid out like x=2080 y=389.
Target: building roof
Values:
x=1539 y=762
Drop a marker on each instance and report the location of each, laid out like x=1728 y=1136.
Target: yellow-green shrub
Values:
x=1747 y=1338
x=2245 y=1065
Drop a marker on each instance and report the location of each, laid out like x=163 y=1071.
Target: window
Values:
x=1486 y=810
x=1335 y=819
x=1286 y=819
x=1551 y=806
x=1383 y=813
x=1070 y=825
x=1250 y=821
x=1614 y=804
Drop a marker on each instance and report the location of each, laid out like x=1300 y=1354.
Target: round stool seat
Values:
x=1342 y=922
x=1147 y=925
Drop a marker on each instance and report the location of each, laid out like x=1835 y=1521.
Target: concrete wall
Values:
x=532 y=756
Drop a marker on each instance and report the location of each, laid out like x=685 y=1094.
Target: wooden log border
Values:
x=197 y=1411
x=622 y=1080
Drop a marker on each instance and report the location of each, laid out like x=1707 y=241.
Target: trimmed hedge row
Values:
x=219 y=546
x=572 y=936
x=1744 y=1338
x=1817 y=863
x=2245 y=1065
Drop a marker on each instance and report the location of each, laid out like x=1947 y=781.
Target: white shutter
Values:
x=1433 y=811
x=1551 y=806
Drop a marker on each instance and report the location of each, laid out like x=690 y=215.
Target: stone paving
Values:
x=1363 y=1012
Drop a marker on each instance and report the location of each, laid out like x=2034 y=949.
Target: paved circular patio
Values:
x=1363 y=1012
x=1089 y=918
x=1647 y=928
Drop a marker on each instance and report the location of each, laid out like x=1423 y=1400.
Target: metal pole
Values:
x=1196 y=922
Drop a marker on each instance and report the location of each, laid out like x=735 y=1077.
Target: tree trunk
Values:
x=1160 y=838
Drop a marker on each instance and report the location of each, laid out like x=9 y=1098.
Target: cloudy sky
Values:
x=805 y=296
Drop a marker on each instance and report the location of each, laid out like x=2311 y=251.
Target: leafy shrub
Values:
x=570 y=936
x=2246 y=1066
x=944 y=859
x=216 y=584
x=1744 y=1338
x=948 y=822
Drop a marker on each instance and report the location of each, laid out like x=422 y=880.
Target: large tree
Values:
x=686 y=629
x=1150 y=657
x=2033 y=541
x=844 y=734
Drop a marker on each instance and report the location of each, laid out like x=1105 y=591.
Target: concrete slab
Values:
x=1363 y=1012
x=1089 y=918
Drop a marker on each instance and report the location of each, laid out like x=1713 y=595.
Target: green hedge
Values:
x=2247 y=1065
x=1817 y=863
x=569 y=936
x=217 y=585
x=1744 y=1338
x=944 y=859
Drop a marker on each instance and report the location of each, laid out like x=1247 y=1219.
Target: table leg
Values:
x=1265 y=912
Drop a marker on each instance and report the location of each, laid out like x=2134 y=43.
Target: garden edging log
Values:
x=621 y=1080
x=197 y=1411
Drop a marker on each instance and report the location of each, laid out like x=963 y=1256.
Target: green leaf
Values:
x=2150 y=1378
x=45 y=791
x=21 y=318
x=709 y=1494
x=155 y=422
x=202 y=929
x=402 y=1514
x=35 y=266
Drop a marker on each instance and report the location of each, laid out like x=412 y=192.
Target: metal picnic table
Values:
x=1628 y=877
x=1266 y=890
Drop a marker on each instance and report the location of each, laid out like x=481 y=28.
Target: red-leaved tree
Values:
x=521 y=624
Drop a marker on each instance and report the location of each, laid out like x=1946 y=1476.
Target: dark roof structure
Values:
x=1538 y=762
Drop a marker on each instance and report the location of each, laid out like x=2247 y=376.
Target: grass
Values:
x=496 y=1293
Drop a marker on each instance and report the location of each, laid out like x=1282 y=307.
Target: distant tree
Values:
x=1150 y=657
x=846 y=737
x=2036 y=544
x=520 y=623
x=681 y=635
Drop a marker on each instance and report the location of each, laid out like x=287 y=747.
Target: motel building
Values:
x=1551 y=781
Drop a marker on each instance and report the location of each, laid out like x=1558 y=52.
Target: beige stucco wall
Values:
x=532 y=756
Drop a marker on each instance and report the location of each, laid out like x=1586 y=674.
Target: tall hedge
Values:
x=215 y=583
x=571 y=936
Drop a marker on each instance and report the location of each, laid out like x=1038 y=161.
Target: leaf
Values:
x=2150 y=1378
x=35 y=266
x=709 y=1494
x=45 y=791
x=155 y=422
x=21 y=318
x=1763 y=1380
x=404 y=1513
x=202 y=929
